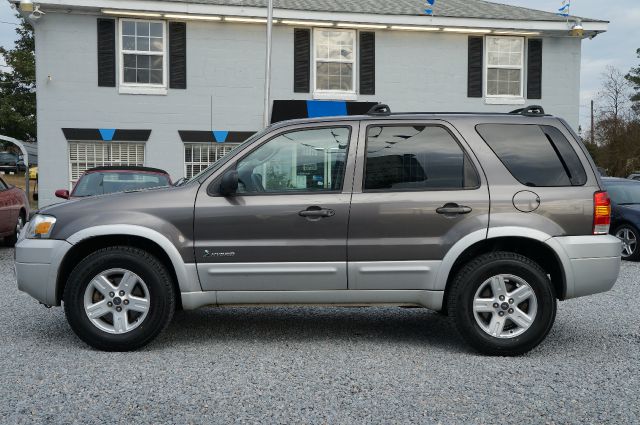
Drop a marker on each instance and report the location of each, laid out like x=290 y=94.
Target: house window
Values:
x=334 y=56
x=83 y=156
x=505 y=63
x=142 y=53
x=198 y=156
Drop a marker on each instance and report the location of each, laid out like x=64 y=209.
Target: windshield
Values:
x=101 y=183
x=6 y=156
x=215 y=165
x=624 y=193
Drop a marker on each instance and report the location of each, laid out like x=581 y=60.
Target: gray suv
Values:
x=489 y=218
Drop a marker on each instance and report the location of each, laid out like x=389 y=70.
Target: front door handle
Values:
x=453 y=209
x=317 y=212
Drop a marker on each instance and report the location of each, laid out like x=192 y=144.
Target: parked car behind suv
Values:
x=14 y=210
x=112 y=179
x=490 y=218
x=11 y=162
x=625 y=214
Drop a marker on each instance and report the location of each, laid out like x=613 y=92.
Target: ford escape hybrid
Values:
x=489 y=218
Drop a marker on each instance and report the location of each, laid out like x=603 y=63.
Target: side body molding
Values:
x=186 y=273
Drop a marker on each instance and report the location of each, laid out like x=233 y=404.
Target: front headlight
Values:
x=40 y=226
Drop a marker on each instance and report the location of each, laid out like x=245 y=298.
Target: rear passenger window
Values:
x=536 y=155
x=416 y=158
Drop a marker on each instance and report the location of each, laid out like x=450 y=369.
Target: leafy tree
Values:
x=634 y=78
x=18 y=87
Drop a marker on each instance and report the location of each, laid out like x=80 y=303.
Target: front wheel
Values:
x=119 y=299
x=503 y=304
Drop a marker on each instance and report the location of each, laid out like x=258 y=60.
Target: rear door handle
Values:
x=453 y=209
x=317 y=212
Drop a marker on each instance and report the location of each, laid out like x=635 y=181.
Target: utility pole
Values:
x=267 y=71
x=592 y=124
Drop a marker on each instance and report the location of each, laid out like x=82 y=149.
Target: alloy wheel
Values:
x=505 y=306
x=629 y=241
x=116 y=301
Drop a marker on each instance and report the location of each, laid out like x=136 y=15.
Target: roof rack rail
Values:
x=381 y=109
x=530 y=111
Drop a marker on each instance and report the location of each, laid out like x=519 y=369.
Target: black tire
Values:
x=469 y=280
x=635 y=255
x=12 y=239
x=161 y=297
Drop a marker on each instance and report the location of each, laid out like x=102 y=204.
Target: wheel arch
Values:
x=89 y=240
x=529 y=243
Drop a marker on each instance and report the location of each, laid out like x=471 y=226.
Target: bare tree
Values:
x=615 y=95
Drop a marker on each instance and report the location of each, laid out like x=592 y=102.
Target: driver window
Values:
x=311 y=160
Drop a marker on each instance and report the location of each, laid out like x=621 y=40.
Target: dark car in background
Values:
x=11 y=162
x=14 y=210
x=105 y=180
x=625 y=214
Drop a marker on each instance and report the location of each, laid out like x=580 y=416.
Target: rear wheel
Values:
x=503 y=304
x=629 y=236
x=119 y=299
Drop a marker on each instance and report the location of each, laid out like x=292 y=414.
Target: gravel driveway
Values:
x=321 y=365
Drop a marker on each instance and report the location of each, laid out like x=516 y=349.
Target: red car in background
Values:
x=104 y=180
x=14 y=210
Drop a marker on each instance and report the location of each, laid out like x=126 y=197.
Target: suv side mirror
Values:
x=62 y=193
x=229 y=183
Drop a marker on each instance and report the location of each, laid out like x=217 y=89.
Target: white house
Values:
x=175 y=84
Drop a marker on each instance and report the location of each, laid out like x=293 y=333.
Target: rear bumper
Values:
x=591 y=263
x=37 y=264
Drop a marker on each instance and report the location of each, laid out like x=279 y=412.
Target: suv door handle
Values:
x=317 y=212
x=452 y=209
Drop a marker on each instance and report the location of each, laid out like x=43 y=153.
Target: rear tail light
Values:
x=601 y=213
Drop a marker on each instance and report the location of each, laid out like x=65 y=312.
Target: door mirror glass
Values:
x=229 y=183
x=309 y=160
x=62 y=193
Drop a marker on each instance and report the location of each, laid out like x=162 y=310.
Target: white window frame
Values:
x=135 y=88
x=217 y=147
x=503 y=99
x=101 y=145
x=334 y=94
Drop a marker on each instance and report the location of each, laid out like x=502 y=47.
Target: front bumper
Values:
x=37 y=264
x=591 y=263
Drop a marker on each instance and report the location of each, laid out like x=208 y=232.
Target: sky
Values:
x=617 y=47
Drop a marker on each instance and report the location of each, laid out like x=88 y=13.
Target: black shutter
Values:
x=301 y=60
x=367 y=63
x=106 y=52
x=474 y=71
x=177 y=55
x=534 y=69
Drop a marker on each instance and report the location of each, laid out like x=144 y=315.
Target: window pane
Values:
x=128 y=43
x=527 y=153
x=129 y=61
x=142 y=28
x=416 y=158
x=128 y=28
x=156 y=62
x=130 y=75
x=143 y=61
x=575 y=169
x=308 y=160
x=156 y=44
x=142 y=44
x=156 y=76
x=156 y=29
x=143 y=76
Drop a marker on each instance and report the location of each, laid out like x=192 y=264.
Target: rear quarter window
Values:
x=536 y=155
